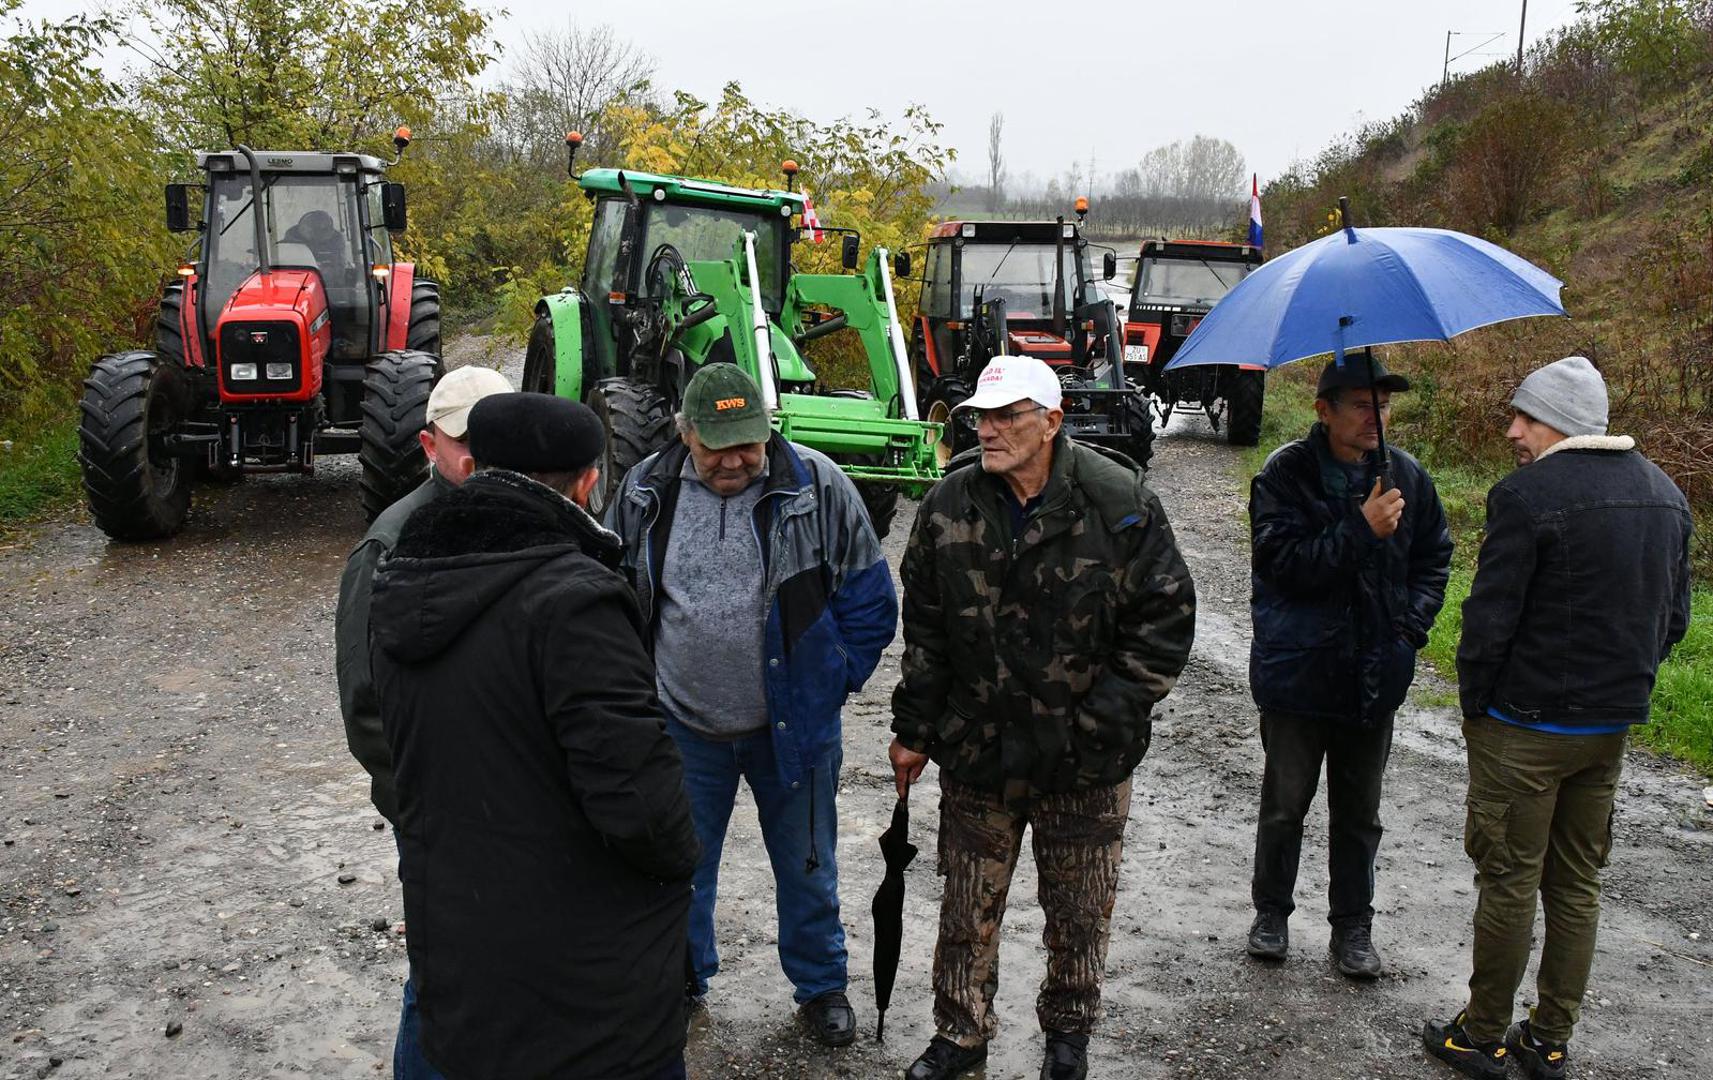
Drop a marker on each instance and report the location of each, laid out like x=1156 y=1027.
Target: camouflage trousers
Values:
x=1078 y=840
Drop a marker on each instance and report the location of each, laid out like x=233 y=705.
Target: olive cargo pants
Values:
x=1078 y=839
x=1539 y=821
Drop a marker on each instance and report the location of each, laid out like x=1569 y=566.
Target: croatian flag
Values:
x=811 y=221
x=1255 y=210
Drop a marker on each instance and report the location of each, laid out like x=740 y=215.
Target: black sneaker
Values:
x=1538 y=1060
x=946 y=1060
x=1452 y=1045
x=1352 y=949
x=1066 y=1057
x=830 y=1019
x=1270 y=936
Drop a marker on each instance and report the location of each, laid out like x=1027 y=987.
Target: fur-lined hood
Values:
x=466 y=550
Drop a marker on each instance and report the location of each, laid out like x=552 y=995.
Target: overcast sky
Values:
x=1278 y=79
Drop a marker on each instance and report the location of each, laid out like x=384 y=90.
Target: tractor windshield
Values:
x=707 y=234
x=312 y=224
x=1188 y=280
x=1021 y=274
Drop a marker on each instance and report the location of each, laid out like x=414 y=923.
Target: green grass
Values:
x=39 y=473
x=1682 y=724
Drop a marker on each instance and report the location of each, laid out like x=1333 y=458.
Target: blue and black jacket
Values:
x=831 y=605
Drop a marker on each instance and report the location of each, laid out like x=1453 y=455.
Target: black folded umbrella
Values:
x=888 y=909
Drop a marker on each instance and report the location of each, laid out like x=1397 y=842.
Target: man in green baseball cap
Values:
x=767 y=602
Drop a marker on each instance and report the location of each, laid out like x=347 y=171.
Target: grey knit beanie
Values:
x=1567 y=394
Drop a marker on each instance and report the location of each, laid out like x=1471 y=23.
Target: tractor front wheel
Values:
x=137 y=488
x=395 y=409
x=538 y=358
x=638 y=421
x=1244 y=399
x=947 y=393
x=881 y=502
x=1139 y=421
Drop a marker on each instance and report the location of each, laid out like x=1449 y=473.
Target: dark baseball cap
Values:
x=1354 y=376
x=724 y=406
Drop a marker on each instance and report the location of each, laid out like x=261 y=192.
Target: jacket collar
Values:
x=787 y=473
x=1608 y=443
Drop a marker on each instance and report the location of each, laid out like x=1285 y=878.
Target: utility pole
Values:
x=1521 y=23
x=1445 y=72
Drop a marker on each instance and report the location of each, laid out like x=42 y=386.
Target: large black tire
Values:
x=395 y=407
x=947 y=393
x=423 y=333
x=638 y=421
x=136 y=490
x=1243 y=407
x=881 y=502
x=169 y=333
x=1139 y=447
x=538 y=358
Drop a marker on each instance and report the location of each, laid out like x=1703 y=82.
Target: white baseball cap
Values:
x=449 y=404
x=1010 y=379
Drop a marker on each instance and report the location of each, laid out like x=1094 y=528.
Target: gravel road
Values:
x=193 y=884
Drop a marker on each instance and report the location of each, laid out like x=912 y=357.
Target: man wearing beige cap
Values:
x=1046 y=612
x=444 y=443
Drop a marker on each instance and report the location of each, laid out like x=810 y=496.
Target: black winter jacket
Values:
x=1582 y=588
x=546 y=842
x=1338 y=613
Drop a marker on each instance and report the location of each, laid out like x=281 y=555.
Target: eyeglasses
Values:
x=1002 y=420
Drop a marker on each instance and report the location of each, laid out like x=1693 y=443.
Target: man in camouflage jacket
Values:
x=1046 y=611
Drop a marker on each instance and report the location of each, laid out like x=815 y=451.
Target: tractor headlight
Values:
x=242 y=372
x=275 y=371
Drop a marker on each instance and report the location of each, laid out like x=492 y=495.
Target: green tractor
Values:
x=682 y=272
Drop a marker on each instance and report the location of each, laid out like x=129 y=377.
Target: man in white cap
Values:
x=444 y=443
x=1581 y=591
x=1046 y=612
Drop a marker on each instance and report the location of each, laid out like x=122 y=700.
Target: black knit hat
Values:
x=534 y=433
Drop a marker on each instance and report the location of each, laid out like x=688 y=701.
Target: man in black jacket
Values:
x=1349 y=570
x=546 y=839
x=1581 y=591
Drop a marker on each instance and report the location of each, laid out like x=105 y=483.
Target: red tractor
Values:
x=291 y=333
x=1177 y=282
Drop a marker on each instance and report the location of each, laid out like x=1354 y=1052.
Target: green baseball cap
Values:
x=724 y=406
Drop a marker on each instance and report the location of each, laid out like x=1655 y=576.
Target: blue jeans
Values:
x=805 y=878
x=408 y=1062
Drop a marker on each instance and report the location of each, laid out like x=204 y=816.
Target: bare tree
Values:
x=995 y=162
x=565 y=80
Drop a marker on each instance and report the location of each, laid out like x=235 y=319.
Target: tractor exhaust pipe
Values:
x=763 y=335
x=257 y=209
x=1059 y=279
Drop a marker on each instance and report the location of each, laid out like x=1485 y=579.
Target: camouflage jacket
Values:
x=1032 y=664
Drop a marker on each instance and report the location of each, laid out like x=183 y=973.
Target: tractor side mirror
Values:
x=392 y=207
x=901 y=264
x=178 y=207
x=1109 y=265
x=848 y=254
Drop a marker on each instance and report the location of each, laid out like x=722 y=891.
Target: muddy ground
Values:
x=194 y=884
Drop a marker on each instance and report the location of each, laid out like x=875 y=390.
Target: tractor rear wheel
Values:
x=638 y=421
x=395 y=407
x=137 y=489
x=947 y=393
x=1244 y=399
x=423 y=333
x=1139 y=419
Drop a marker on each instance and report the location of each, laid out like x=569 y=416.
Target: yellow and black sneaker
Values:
x=1538 y=1060
x=1452 y=1045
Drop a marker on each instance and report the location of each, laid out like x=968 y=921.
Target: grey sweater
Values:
x=713 y=610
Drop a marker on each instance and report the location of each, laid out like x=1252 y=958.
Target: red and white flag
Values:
x=811 y=222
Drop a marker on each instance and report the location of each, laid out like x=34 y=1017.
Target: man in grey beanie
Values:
x=1581 y=591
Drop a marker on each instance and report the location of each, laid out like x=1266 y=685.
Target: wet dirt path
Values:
x=178 y=812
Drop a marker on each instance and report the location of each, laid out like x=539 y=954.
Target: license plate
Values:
x=1135 y=354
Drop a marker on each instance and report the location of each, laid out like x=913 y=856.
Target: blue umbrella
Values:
x=1358 y=288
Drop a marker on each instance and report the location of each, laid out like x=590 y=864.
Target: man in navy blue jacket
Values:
x=1349 y=570
x=1581 y=591
x=767 y=602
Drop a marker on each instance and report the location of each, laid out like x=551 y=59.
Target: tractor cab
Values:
x=1177 y=283
x=1038 y=274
